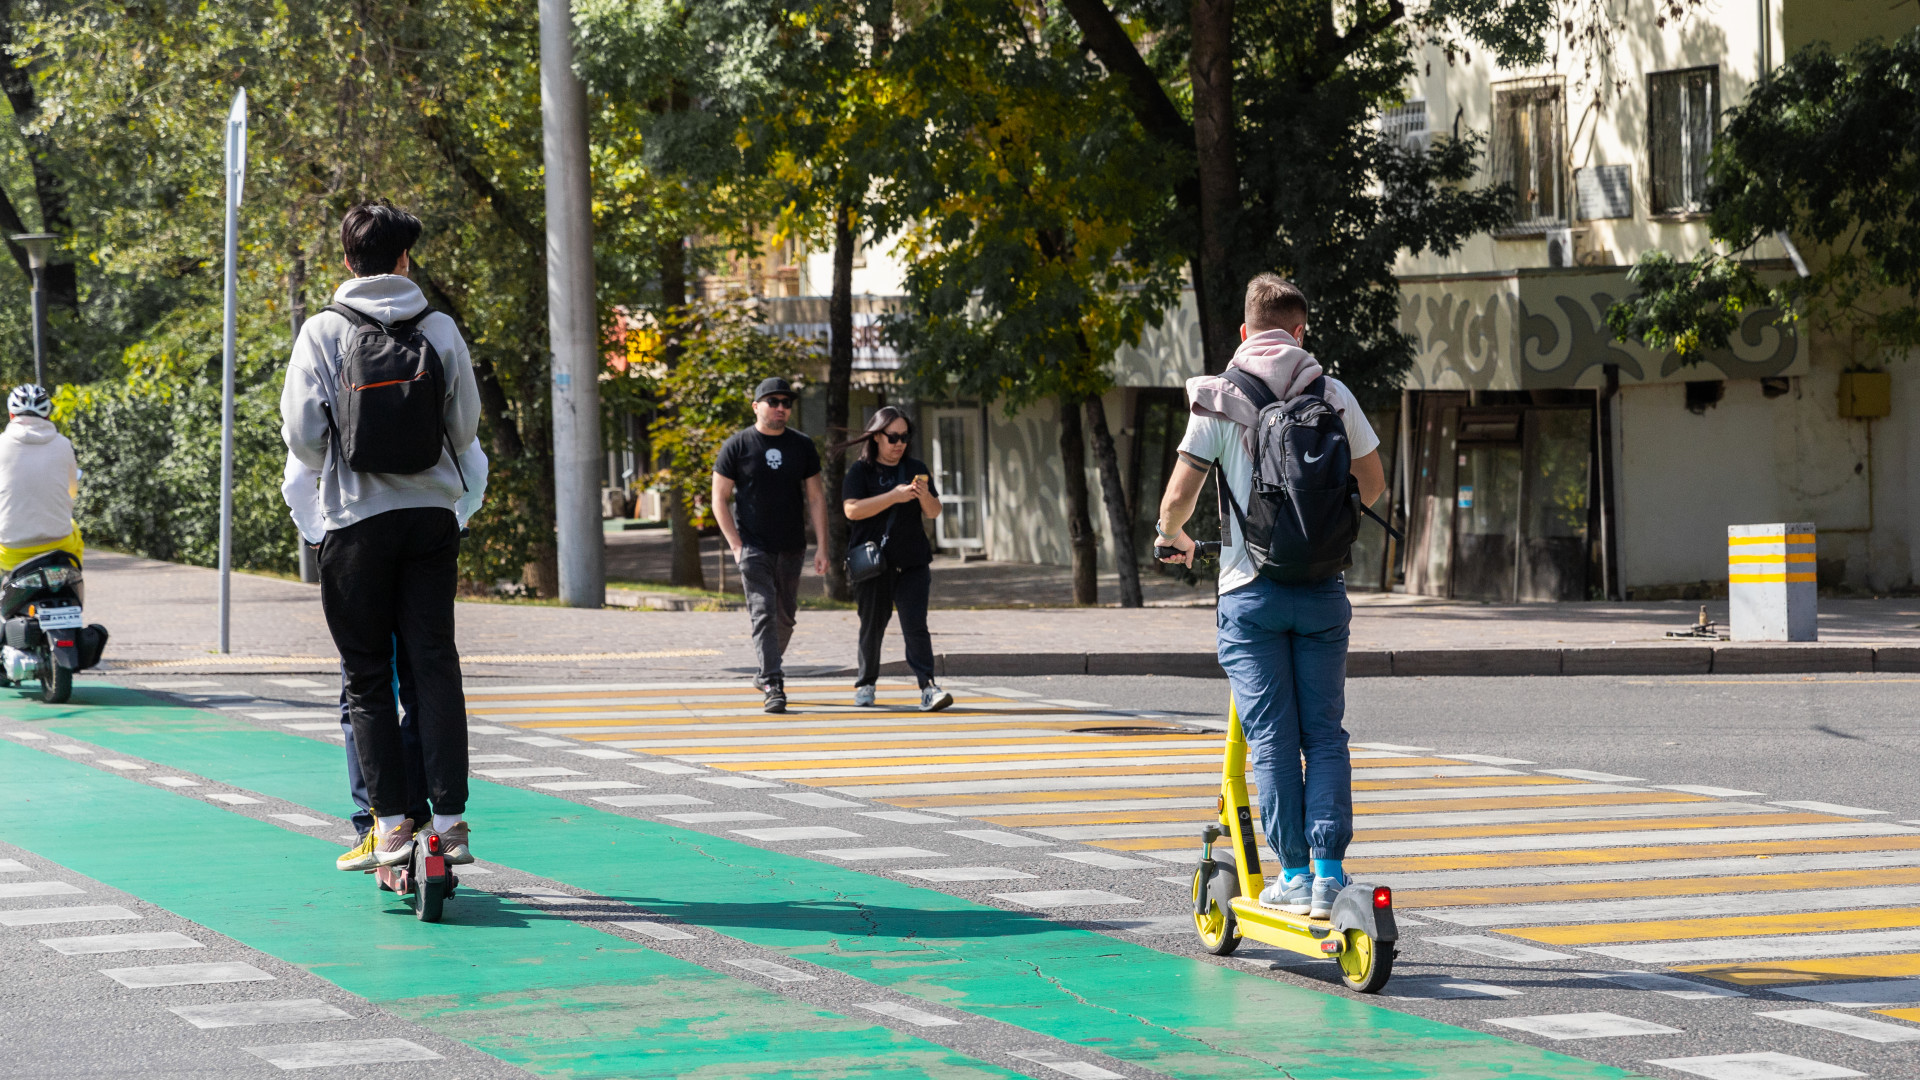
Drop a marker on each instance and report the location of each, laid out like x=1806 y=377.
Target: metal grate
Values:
x=1529 y=151
x=1683 y=115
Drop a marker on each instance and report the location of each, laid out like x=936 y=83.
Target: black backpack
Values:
x=1304 y=511
x=392 y=397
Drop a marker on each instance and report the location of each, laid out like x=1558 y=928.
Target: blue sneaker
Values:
x=1325 y=889
x=1292 y=895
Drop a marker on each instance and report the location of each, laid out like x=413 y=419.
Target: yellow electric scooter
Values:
x=1360 y=932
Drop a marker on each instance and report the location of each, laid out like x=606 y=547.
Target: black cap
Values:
x=775 y=385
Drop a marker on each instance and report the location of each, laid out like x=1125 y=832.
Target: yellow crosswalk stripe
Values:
x=1411 y=806
x=1825 y=922
x=1620 y=890
x=1780 y=972
x=1449 y=832
x=1408 y=864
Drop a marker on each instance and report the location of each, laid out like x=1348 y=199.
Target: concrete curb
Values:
x=1723 y=659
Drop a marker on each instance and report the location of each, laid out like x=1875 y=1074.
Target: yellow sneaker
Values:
x=375 y=851
x=361 y=857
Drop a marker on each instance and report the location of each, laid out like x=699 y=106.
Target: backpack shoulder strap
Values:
x=1251 y=385
x=413 y=323
x=1318 y=388
x=356 y=318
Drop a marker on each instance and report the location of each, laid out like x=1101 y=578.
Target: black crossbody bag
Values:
x=869 y=560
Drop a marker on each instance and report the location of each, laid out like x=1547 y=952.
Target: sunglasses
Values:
x=779 y=402
x=894 y=439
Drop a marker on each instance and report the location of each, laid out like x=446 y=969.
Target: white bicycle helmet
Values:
x=29 y=399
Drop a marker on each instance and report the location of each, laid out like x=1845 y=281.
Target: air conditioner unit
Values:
x=1560 y=247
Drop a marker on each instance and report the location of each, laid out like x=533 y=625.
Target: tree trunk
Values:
x=685 y=570
x=839 y=393
x=297 y=293
x=1080 y=534
x=49 y=189
x=1113 y=487
x=1210 y=67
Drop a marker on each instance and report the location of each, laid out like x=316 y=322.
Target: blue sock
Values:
x=1288 y=873
x=1329 y=868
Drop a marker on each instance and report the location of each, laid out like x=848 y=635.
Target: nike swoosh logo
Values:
x=1311 y=459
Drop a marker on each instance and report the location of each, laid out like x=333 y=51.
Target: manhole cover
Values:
x=1141 y=730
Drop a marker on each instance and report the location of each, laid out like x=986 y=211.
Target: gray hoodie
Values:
x=313 y=379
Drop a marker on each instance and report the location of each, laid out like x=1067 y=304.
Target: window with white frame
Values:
x=1529 y=151
x=1683 y=115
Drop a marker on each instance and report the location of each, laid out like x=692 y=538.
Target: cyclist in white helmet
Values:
x=38 y=480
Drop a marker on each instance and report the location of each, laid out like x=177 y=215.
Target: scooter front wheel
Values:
x=1365 y=964
x=1214 y=922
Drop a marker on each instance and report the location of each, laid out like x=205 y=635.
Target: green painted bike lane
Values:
x=551 y=996
x=1172 y=1014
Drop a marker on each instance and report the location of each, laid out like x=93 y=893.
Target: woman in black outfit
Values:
x=886 y=494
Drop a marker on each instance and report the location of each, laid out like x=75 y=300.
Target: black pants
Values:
x=879 y=597
x=409 y=741
x=771 y=582
x=392 y=577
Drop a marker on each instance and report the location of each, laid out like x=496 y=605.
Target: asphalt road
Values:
x=1848 y=740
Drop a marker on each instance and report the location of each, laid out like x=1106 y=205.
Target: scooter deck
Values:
x=1296 y=933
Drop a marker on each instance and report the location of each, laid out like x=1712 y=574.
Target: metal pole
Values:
x=39 y=326
x=572 y=326
x=236 y=171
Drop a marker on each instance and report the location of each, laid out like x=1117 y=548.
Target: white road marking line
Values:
x=1593 y=1025
x=695 y=739
x=603 y=755
x=1828 y=808
x=1211 y=756
x=482 y=729
x=1066 y=1066
x=1588 y=774
x=1438 y=820
x=1707 y=789
x=520 y=774
x=233 y=800
x=12 y=866
x=1488 y=759
x=583 y=785
x=1162 y=926
x=1065 y=898
x=1443 y=988
x=1664 y=985
x=139 y=978
x=814 y=798
x=320 y=1055
x=658 y=931
x=113 y=943
x=1001 y=691
x=325 y=725
x=1395 y=747
x=1677 y=907
x=69 y=748
x=1796 y=947
x=1148 y=780
x=931 y=754
x=1467 y=845
x=1500 y=949
x=30 y=736
x=957 y=724
x=305 y=820
x=650 y=800
x=1674 y=868
x=870 y=854
x=795 y=832
x=54 y=916
x=719 y=816
x=776 y=972
x=1762 y=1066
x=176 y=684
x=903 y=817
x=998 y=838
x=14 y=889
x=296 y=683
x=665 y=768
x=540 y=740
x=1846 y=1024
x=1090 y=807
x=298 y=714
x=1072 y=703
x=124 y=766
x=1874 y=994
x=492 y=759
x=256 y=1013
x=734 y=782
x=965 y=873
x=1105 y=860
x=916 y=1017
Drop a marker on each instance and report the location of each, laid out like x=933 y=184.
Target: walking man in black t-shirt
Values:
x=769 y=476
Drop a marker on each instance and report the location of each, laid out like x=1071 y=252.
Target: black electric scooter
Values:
x=45 y=638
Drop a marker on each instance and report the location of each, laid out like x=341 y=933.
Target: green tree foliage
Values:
x=1826 y=151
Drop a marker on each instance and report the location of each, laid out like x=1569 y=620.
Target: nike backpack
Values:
x=392 y=396
x=1303 y=513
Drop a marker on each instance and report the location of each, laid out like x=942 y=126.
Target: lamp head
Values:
x=38 y=245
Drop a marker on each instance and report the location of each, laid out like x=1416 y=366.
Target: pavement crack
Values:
x=1137 y=1018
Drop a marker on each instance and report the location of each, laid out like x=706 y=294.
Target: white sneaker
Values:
x=863 y=696
x=933 y=699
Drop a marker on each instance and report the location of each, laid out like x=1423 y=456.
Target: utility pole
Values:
x=572 y=328
x=236 y=176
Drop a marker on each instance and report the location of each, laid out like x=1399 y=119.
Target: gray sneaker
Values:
x=863 y=696
x=1292 y=895
x=1325 y=889
x=933 y=699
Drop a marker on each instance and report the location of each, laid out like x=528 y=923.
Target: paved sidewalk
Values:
x=163 y=617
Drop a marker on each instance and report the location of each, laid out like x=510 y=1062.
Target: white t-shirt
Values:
x=1211 y=438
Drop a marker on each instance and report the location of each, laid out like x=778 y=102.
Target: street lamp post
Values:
x=38 y=246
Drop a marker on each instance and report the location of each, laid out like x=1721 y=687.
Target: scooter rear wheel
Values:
x=1218 y=929
x=1365 y=964
x=56 y=682
x=429 y=894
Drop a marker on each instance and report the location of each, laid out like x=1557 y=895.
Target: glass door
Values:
x=1554 y=554
x=957 y=473
x=1486 y=508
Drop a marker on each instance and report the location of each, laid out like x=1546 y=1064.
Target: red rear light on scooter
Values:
x=1382 y=896
x=64 y=644
x=433 y=846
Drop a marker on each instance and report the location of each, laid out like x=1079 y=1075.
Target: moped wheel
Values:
x=1365 y=964
x=1218 y=929
x=56 y=682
